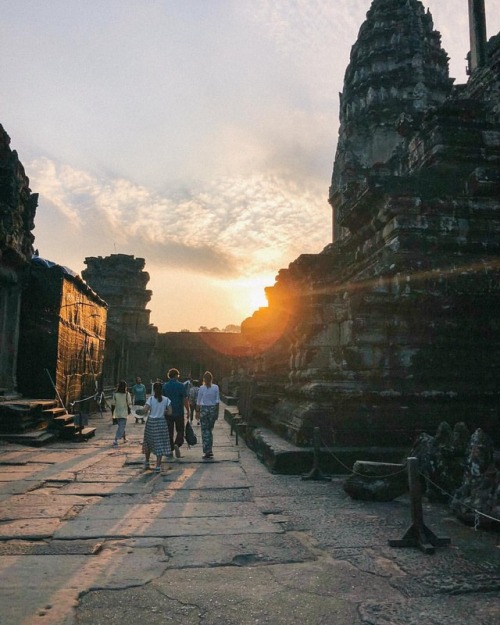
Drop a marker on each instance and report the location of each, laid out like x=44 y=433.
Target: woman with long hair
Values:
x=156 y=436
x=120 y=404
x=207 y=411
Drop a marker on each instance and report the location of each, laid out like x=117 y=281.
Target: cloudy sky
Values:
x=197 y=134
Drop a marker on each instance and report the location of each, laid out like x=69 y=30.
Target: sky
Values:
x=196 y=134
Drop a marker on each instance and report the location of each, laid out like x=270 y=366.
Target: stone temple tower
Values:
x=121 y=281
x=397 y=71
x=394 y=326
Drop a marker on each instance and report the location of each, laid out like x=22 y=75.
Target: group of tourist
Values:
x=164 y=413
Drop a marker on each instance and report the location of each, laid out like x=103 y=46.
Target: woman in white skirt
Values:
x=156 y=437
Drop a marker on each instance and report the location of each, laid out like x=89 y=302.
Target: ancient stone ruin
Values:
x=51 y=324
x=134 y=347
x=17 y=213
x=121 y=281
x=394 y=326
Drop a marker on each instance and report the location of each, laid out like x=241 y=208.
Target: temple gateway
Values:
x=394 y=326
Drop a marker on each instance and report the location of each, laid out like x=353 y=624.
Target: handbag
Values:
x=190 y=435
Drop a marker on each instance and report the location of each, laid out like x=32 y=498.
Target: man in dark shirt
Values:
x=176 y=392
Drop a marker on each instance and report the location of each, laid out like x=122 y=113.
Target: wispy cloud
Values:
x=198 y=135
x=228 y=226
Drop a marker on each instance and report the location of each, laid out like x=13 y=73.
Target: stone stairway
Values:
x=37 y=422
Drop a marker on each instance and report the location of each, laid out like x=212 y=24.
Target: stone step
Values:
x=71 y=432
x=55 y=412
x=63 y=420
x=36 y=438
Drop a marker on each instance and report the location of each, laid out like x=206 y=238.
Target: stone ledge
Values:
x=229 y=400
x=283 y=457
x=229 y=413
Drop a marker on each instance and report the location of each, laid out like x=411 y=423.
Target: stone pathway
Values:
x=88 y=537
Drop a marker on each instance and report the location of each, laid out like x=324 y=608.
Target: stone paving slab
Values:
x=21 y=473
x=109 y=477
x=64 y=476
x=275 y=594
x=237 y=550
x=50 y=547
x=483 y=609
x=52 y=584
x=48 y=456
x=80 y=528
x=17 y=488
x=101 y=470
x=208 y=495
x=13 y=462
x=209 y=475
x=21 y=456
x=343 y=527
x=29 y=529
x=170 y=510
x=222 y=455
x=112 y=499
x=448 y=584
x=10 y=468
x=444 y=560
x=104 y=489
x=49 y=497
x=10 y=512
x=188 y=456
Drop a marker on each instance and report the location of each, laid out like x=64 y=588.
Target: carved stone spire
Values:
x=477 y=30
x=397 y=68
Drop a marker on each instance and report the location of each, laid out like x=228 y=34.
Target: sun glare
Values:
x=258 y=298
x=252 y=294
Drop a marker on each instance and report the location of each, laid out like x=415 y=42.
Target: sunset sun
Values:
x=251 y=293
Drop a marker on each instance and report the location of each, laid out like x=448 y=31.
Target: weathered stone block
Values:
x=376 y=481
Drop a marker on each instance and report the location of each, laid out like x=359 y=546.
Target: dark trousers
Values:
x=178 y=423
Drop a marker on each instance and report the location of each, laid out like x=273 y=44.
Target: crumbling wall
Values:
x=17 y=212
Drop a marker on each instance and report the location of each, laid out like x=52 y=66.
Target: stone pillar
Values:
x=477 y=30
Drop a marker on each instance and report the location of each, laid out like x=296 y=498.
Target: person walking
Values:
x=156 y=437
x=139 y=397
x=207 y=411
x=192 y=397
x=176 y=392
x=188 y=383
x=120 y=403
x=138 y=392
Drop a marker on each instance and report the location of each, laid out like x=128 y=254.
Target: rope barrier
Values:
x=477 y=512
x=98 y=398
x=350 y=470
